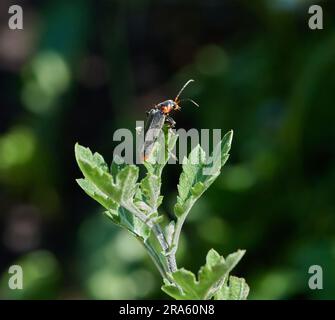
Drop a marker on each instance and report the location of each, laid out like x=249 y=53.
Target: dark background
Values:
x=82 y=69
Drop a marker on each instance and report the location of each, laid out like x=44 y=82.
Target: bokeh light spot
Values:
x=128 y=248
x=16 y=147
x=214 y=230
x=45 y=79
x=238 y=178
x=211 y=60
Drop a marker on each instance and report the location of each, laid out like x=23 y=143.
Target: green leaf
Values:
x=86 y=154
x=236 y=289
x=119 y=189
x=149 y=198
x=220 y=153
x=161 y=152
x=113 y=193
x=210 y=277
x=213 y=258
x=94 y=169
x=179 y=209
x=126 y=183
x=199 y=172
x=117 y=165
x=92 y=190
x=151 y=187
x=198 y=189
x=127 y=220
x=169 y=231
x=192 y=172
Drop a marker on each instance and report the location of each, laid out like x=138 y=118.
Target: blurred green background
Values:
x=82 y=69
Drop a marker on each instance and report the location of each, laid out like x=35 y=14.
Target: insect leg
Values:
x=170 y=121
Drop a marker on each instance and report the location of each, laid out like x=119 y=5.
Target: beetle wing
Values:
x=152 y=129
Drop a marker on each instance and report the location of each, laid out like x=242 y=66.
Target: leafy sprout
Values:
x=133 y=205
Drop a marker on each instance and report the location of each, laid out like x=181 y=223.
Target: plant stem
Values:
x=155 y=259
x=179 y=224
x=171 y=258
x=171 y=262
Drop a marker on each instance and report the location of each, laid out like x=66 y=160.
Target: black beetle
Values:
x=157 y=117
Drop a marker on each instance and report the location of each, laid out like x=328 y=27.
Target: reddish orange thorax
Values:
x=167 y=109
x=167 y=106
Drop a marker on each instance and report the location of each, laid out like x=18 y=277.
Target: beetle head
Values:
x=173 y=105
x=167 y=106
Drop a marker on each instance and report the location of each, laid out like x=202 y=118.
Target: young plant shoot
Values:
x=133 y=204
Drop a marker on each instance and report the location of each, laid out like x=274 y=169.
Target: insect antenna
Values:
x=176 y=99
x=188 y=99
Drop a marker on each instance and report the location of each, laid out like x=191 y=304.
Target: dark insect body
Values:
x=157 y=117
